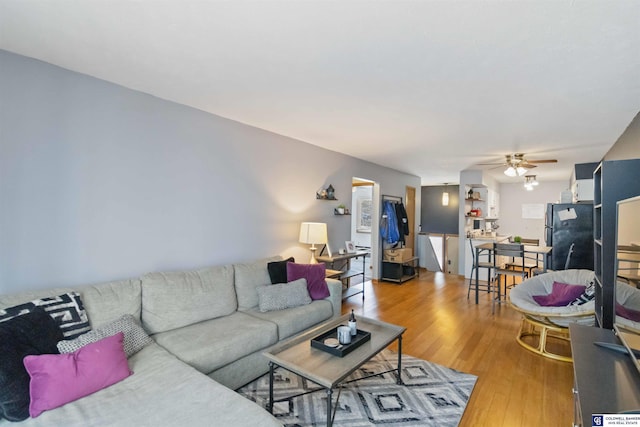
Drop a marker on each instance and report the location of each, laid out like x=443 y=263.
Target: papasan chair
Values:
x=572 y=304
x=628 y=307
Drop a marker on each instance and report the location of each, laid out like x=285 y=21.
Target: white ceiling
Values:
x=425 y=87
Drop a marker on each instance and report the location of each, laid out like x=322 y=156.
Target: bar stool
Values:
x=488 y=264
x=512 y=251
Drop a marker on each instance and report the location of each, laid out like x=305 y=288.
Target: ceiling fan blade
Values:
x=542 y=161
x=525 y=164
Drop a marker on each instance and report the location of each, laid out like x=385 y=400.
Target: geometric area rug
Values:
x=432 y=395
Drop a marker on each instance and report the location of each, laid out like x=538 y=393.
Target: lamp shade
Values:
x=510 y=171
x=313 y=232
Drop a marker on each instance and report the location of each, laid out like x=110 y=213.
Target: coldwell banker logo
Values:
x=596 y=421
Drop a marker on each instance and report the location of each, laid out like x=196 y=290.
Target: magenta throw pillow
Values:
x=315 y=275
x=627 y=313
x=562 y=294
x=57 y=379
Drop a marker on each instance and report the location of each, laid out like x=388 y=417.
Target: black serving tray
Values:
x=343 y=349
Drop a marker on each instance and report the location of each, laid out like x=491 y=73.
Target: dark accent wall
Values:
x=434 y=217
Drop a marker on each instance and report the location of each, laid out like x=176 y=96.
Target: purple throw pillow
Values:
x=315 y=275
x=57 y=379
x=561 y=294
x=627 y=313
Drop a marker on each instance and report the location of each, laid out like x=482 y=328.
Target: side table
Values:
x=346 y=273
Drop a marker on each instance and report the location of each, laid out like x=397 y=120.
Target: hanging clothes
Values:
x=389 y=223
x=403 y=221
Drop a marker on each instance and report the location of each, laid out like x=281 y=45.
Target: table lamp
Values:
x=313 y=233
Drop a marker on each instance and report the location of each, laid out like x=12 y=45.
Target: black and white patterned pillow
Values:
x=66 y=309
x=283 y=295
x=135 y=338
x=588 y=294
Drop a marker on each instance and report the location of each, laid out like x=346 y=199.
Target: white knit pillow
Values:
x=283 y=295
x=135 y=338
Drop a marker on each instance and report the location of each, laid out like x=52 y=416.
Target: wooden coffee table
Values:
x=328 y=371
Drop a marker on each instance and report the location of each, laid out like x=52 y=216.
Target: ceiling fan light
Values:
x=529 y=187
x=520 y=170
x=510 y=171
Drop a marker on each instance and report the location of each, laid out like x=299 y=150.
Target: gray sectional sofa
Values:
x=208 y=336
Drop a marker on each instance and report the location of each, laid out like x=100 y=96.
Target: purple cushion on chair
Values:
x=627 y=313
x=562 y=294
x=315 y=275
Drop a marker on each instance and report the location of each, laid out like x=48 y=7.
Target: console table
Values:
x=605 y=381
x=343 y=264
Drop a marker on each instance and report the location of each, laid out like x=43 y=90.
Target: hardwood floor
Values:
x=515 y=387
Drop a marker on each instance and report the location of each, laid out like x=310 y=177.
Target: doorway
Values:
x=363 y=219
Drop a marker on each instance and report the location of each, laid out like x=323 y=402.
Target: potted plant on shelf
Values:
x=340 y=209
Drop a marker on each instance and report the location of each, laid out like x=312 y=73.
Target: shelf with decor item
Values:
x=328 y=193
x=341 y=210
x=475 y=203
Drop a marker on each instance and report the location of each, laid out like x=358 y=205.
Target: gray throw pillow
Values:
x=283 y=295
x=135 y=338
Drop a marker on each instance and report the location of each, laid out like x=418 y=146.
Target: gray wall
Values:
x=628 y=145
x=512 y=198
x=99 y=182
x=436 y=218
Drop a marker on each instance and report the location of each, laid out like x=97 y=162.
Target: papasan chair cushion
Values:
x=522 y=297
x=541 y=323
x=628 y=306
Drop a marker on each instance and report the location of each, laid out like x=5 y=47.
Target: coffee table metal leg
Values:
x=399 y=380
x=329 y=414
x=271 y=368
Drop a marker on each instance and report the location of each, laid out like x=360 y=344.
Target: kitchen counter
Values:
x=496 y=238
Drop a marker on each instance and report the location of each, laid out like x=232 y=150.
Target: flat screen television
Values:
x=627 y=267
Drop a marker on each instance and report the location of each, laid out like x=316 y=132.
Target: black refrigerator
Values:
x=567 y=224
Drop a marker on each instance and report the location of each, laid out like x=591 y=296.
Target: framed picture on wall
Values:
x=351 y=248
x=365 y=207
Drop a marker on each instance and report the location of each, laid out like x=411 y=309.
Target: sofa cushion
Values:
x=248 y=276
x=214 y=343
x=283 y=295
x=107 y=301
x=162 y=392
x=33 y=333
x=176 y=299
x=102 y=302
x=57 y=379
x=293 y=320
x=135 y=338
x=278 y=270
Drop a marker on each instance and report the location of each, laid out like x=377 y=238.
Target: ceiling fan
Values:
x=517 y=165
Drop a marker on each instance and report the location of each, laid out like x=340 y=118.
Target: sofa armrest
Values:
x=335 y=296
